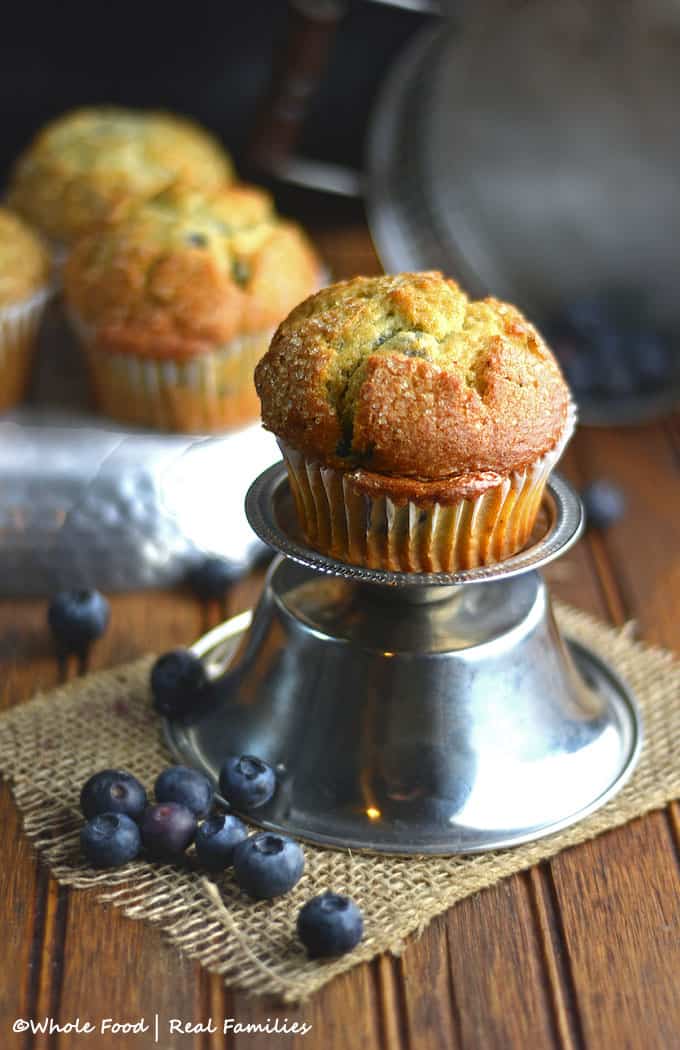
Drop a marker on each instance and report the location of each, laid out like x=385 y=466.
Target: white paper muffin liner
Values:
x=207 y=392
x=19 y=324
x=338 y=518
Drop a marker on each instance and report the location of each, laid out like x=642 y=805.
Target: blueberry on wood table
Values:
x=604 y=504
x=77 y=619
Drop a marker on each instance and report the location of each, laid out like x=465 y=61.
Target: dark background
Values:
x=211 y=61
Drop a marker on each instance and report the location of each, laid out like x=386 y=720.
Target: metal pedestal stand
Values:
x=414 y=713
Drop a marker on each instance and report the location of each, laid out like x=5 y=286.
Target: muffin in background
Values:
x=87 y=163
x=177 y=302
x=418 y=427
x=24 y=293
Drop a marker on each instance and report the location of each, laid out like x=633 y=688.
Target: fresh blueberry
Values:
x=247 y=782
x=113 y=791
x=78 y=618
x=109 y=840
x=216 y=840
x=267 y=865
x=178 y=680
x=213 y=577
x=186 y=786
x=330 y=925
x=604 y=504
x=167 y=829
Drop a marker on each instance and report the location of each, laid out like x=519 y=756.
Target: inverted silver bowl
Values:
x=431 y=717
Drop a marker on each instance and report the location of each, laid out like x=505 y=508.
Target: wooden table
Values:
x=583 y=951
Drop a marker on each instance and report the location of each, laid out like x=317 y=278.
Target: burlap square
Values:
x=49 y=746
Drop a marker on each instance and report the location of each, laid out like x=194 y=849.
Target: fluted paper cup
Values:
x=208 y=392
x=340 y=518
x=19 y=324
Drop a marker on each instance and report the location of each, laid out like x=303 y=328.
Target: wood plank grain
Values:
x=152 y=622
x=560 y=983
x=673 y=817
x=340 y=1017
x=432 y=1019
x=497 y=970
x=583 y=576
x=343 y=1015
x=616 y=897
x=27 y=654
x=212 y=1002
x=391 y=1007
x=22 y=906
x=29 y=898
x=126 y=971
x=644 y=547
x=621 y=915
x=347 y=252
x=50 y=969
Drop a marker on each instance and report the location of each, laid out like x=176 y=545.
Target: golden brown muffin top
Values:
x=404 y=375
x=89 y=161
x=186 y=272
x=24 y=262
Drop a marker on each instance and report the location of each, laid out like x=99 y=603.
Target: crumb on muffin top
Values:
x=24 y=261
x=187 y=271
x=86 y=162
x=405 y=375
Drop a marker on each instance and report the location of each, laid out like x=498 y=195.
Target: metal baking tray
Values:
x=529 y=152
x=89 y=503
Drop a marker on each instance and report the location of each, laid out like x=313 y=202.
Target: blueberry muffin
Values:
x=24 y=292
x=418 y=427
x=176 y=303
x=89 y=162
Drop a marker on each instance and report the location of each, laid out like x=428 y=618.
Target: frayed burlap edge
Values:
x=50 y=745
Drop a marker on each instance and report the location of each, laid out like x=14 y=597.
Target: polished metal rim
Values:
x=268 y=492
